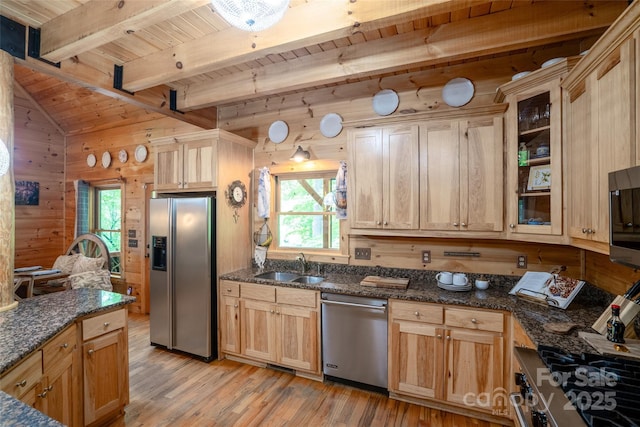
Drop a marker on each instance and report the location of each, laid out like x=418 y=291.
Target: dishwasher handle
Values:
x=351 y=304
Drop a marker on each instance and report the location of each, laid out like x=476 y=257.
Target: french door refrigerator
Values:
x=183 y=275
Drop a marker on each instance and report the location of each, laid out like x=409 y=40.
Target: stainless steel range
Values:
x=562 y=389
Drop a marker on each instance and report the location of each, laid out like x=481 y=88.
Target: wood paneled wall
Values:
x=38 y=157
x=135 y=176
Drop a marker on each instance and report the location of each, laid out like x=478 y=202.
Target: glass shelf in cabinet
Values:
x=534 y=130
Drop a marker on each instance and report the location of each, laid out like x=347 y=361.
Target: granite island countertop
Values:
x=583 y=310
x=36 y=320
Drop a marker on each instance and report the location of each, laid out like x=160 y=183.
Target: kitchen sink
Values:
x=309 y=279
x=281 y=276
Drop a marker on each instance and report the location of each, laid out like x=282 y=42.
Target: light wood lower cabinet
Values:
x=105 y=364
x=451 y=355
x=271 y=324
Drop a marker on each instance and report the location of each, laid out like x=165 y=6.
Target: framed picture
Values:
x=27 y=193
x=539 y=178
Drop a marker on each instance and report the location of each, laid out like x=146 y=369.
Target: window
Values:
x=302 y=218
x=107 y=222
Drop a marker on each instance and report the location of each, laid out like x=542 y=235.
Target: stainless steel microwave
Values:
x=624 y=216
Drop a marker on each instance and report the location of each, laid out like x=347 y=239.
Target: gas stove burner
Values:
x=603 y=389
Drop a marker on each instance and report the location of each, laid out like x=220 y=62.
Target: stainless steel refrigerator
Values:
x=183 y=275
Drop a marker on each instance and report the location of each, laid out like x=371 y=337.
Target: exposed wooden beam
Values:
x=529 y=26
x=312 y=23
x=88 y=72
x=98 y=22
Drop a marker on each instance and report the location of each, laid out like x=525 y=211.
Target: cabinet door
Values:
x=167 y=166
x=614 y=127
x=297 y=337
x=474 y=369
x=440 y=176
x=416 y=362
x=258 y=330
x=400 y=177
x=105 y=371
x=230 y=324
x=57 y=397
x=365 y=178
x=481 y=177
x=199 y=167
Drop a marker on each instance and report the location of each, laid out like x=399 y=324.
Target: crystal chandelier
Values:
x=251 y=15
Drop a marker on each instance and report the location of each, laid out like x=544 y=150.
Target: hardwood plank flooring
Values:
x=168 y=389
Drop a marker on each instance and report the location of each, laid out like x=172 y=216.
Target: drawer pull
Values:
x=474 y=320
x=235 y=305
x=21 y=383
x=65 y=345
x=229 y=290
x=417 y=313
x=106 y=324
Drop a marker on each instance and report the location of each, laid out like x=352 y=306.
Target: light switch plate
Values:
x=363 y=253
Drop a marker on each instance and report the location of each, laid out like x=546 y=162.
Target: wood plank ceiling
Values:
x=185 y=46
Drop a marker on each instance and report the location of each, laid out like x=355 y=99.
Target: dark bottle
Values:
x=615 y=326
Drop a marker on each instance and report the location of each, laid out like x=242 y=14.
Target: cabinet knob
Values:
x=474 y=320
x=90 y=352
x=464 y=224
x=417 y=313
x=65 y=345
x=584 y=231
x=378 y=223
x=591 y=231
x=43 y=394
x=272 y=311
x=106 y=324
x=512 y=226
x=455 y=224
x=439 y=336
x=229 y=290
x=385 y=223
x=21 y=383
x=448 y=337
x=235 y=305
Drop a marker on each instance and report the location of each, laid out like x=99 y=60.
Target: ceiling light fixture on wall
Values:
x=4 y=158
x=300 y=155
x=251 y=15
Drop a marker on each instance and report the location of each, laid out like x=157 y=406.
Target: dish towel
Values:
x=341 y=191
x=264 y=193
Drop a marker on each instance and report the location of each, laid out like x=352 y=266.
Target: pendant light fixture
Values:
x=251 y=15
x=300 y=155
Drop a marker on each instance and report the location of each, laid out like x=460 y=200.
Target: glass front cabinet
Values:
x=534 y=153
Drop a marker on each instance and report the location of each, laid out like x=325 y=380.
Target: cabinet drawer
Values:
x=417 y=312
x=474 y=319
x=299 y=297
x=59 y=347
x=23 y=377
x=258 y=292
x=229 y=289
x=102 y=324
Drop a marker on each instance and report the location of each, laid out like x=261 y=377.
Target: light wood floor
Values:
x=168 y=389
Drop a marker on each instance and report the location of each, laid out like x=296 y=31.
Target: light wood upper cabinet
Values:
x=461 y=175
x=383 y=177
x=600 y=132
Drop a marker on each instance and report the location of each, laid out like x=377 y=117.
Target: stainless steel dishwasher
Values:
x=354 y=339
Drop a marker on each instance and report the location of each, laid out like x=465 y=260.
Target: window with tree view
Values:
x=303 y=219
x=107 y=222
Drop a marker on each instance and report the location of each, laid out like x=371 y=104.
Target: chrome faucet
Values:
x=303 y=263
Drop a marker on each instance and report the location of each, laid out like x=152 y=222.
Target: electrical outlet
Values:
x=522 y=261
x=426 y=257
x=363 y=253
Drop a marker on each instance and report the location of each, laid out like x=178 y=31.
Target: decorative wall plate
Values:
x=385 y=102
x=106 y=159
x=458 y=92
x=520 y=75
x=551 y=62
x=141 y=153
x=91 y=160
x=123 y=156
x=278 y=131
x=331 y=125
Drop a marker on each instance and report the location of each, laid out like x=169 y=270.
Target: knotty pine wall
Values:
x=419 y=91
x=38 y=156
x=137 y=179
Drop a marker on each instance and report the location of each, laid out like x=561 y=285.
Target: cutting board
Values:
x=628 y=312
x=604 y=346
x=385 y=282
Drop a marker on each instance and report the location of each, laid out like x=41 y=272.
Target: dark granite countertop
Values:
x=36 y=320
x=18 y=414
x=584 y=309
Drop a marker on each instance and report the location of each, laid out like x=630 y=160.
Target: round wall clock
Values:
x=236 y=194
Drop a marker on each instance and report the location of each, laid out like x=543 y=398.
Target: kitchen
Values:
x=419 y=90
